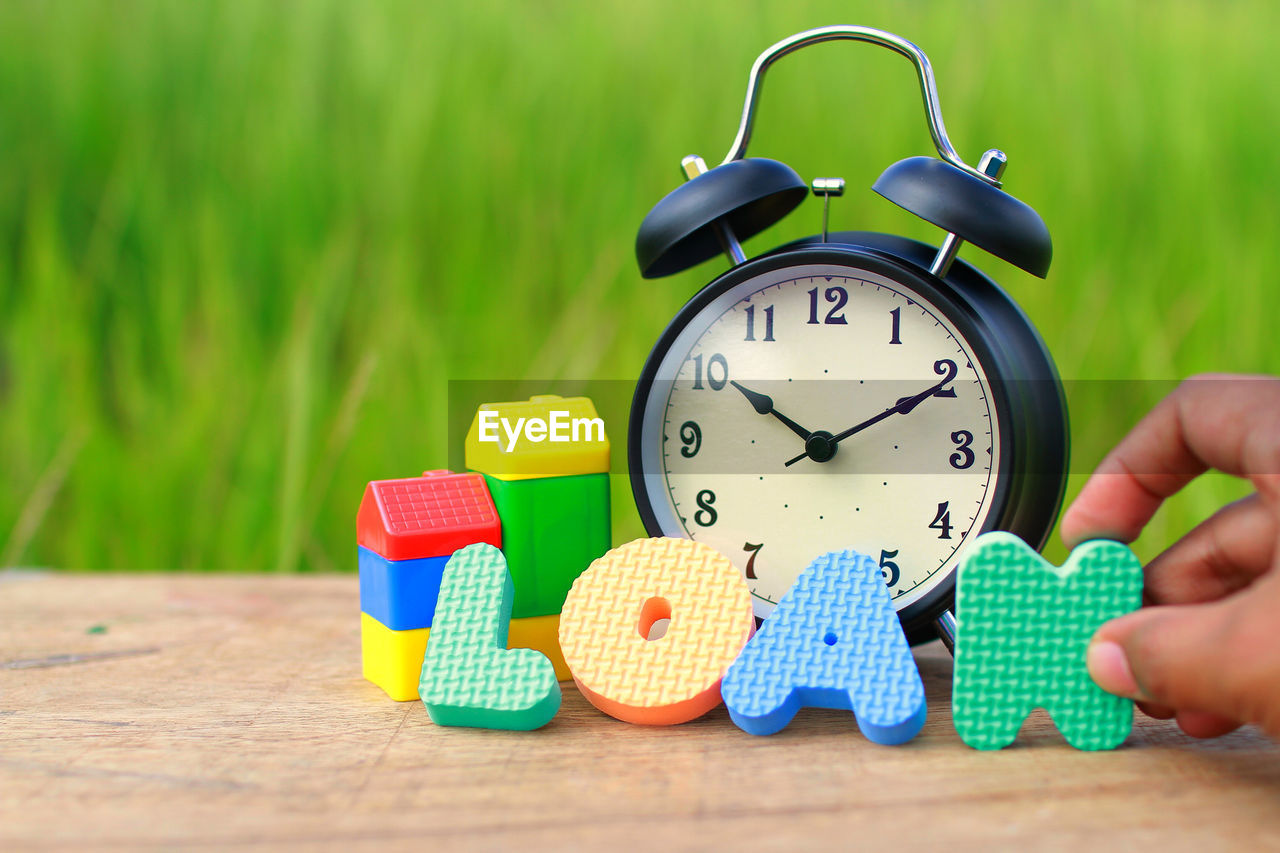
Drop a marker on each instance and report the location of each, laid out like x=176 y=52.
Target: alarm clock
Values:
x=852 y=389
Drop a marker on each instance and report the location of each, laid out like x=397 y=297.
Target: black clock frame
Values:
x=1025 y=388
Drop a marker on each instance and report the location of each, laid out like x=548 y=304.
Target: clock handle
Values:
x=946 y=625
x=899 y=45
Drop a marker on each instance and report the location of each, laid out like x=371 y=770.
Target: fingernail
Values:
x=1109 y=668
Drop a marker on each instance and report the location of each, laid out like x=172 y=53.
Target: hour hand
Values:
x=763 y=404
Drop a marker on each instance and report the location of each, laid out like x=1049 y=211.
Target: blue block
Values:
x=834 y=641
x=400 y=594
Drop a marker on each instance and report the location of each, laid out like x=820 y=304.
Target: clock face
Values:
x=868 y=390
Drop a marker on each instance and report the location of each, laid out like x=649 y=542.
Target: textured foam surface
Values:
x=1023 y=628
x=676 y=677
x=400 y=594
x=469 y=676
x=428 y=516
x=393 y=659
x=833 y=641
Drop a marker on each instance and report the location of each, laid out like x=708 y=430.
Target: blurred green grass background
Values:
x=245 y=245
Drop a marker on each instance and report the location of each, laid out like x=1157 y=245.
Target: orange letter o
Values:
x=605 y=624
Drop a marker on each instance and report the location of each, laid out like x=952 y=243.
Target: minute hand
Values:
x=903 y=406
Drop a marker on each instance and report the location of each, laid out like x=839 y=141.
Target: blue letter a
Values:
x=834 y=641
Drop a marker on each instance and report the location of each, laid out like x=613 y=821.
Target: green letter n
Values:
x=1023 y=628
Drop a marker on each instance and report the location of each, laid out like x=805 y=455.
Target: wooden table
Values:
x=221 y=711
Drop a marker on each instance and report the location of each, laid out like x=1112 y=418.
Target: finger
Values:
x=1204 y=725
x=1224 y=422
x=1159 y=712
x=1216 y=658
x=1221 y=555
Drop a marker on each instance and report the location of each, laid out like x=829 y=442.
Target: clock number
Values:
x=716 y=384
x=705 y=499
x=839 y=296
x=836 y=295
x=942 y=521
x=751 y=561
x=963 y=457
x=691 y=437
x=945 y=367
x=888 y=568
x=896 y=314
x=751 y=323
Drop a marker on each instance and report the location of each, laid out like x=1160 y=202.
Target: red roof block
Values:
x=428 y=516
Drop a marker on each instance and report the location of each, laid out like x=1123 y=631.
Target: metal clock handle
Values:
x=933 y=111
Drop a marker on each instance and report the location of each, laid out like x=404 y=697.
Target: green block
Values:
x=552 y=528
x=469 y=676
x=1023 y=627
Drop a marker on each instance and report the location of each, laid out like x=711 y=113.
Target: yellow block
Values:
x=393 y=659
x=543 y=634
x=535 y=454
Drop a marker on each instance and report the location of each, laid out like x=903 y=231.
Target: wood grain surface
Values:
x=229 y=712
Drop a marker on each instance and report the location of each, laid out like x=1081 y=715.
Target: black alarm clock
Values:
x=853 y=389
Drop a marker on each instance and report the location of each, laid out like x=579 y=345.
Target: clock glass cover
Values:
x=908 y=446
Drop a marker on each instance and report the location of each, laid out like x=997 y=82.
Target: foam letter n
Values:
x=1023 y=628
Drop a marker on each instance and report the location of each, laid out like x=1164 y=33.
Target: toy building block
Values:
x=400 y=594
x=552 y=496
x=834 y=641
x=540 y=633
x=428 y=516
x=552 y=529
x=1023 y=628
x=469 y=676
x=392 y=659
x=405 y=532
x=586 y=451
x=608 y=617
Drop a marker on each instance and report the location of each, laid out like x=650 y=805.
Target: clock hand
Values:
x=824 y=449
x=763 y=404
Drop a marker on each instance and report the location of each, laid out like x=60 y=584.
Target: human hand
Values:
x=1205 y=648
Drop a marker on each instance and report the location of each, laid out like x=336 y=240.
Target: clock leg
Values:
x=946 y=625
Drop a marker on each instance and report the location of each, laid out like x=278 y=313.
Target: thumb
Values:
x=1187 y=657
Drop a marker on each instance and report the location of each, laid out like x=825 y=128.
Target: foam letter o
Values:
x=605 y=624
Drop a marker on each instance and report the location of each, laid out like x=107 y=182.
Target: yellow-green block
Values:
x=393 y=659
x=572 y=440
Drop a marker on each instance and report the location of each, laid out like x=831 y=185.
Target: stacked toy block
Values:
x=553 y=499
x=406 y=531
